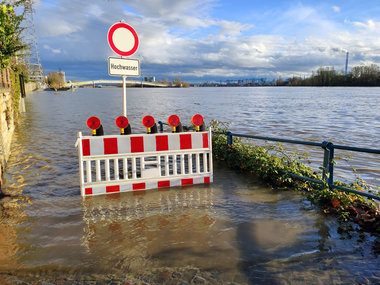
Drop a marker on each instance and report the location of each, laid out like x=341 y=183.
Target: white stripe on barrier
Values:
x=138 y=162
x=138 y=186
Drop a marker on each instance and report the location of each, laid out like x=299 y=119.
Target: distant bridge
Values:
x=99 y=83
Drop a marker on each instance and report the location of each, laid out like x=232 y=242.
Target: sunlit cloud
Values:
x=187 y=38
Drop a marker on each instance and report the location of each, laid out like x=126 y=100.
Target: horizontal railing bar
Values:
x=358 y=149
x=304 y=178
x=335 y=186
x=275 y=139
x=356 y=192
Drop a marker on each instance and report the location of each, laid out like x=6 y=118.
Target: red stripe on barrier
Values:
x=185 y=141
x=161 y=184
x=205 y=140
x=88 y=191
x=138 y=186
x=206 y=180
x=137 y=144
x=113 y=188
x=86 y=147
x=110 y=146
x=162 y=143
x=187 y=181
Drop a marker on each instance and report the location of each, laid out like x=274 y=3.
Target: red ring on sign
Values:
x=112 y=30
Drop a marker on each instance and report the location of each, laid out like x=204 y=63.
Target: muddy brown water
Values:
x=235 y=230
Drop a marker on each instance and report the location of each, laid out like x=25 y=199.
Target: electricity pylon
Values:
x=32 y=57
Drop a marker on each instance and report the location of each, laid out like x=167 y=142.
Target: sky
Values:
x=210 y=40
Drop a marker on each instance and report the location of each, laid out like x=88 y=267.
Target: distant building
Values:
x=63 y=75
x=150 y=79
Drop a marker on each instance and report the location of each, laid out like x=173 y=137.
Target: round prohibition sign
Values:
x=123 y=39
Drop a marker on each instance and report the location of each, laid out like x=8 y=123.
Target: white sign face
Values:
x=123 y=39
x=122 y=66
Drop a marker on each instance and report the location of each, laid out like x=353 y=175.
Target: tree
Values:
x=366 y=75
x=280 y=82
x=55 y=80
x=327 y=76
x=10 y=32
x=177 y=82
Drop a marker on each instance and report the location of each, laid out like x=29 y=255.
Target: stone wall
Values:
x=8 y=120
x=30 y=87
x=7 y=125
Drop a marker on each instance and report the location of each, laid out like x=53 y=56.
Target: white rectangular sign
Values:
x=123 y=66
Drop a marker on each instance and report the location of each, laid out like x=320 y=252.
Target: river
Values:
x=233 y=230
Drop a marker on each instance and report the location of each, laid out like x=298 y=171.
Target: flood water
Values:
x=233 y=230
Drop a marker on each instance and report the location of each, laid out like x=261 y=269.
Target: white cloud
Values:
x=181 y=37
x=61 y=27
x=168 y=9
x=370 y=26
x=53 y=50
x=336 y=9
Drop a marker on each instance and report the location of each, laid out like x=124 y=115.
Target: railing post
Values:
x=229 y=138
x=328 y=163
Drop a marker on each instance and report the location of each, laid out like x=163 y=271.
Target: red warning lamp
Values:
x=122 y=122
x=148 y=122
x=173 y=121
x=93 y=123
x=197 y=121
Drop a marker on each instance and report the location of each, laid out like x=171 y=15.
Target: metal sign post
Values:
x=124 y=96
x=123 y=40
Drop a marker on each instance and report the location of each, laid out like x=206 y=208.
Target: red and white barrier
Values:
x=109 y=164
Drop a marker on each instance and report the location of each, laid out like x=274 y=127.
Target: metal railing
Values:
x=328 y=161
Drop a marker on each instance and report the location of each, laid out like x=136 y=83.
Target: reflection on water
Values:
x=9 y=247
x=207 y=227
x=233 y=230
x=146 y=230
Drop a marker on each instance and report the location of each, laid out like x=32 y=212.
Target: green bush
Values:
x=272 y=165
x=10 y=34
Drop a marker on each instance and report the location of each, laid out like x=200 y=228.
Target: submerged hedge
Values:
x=271 y=165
